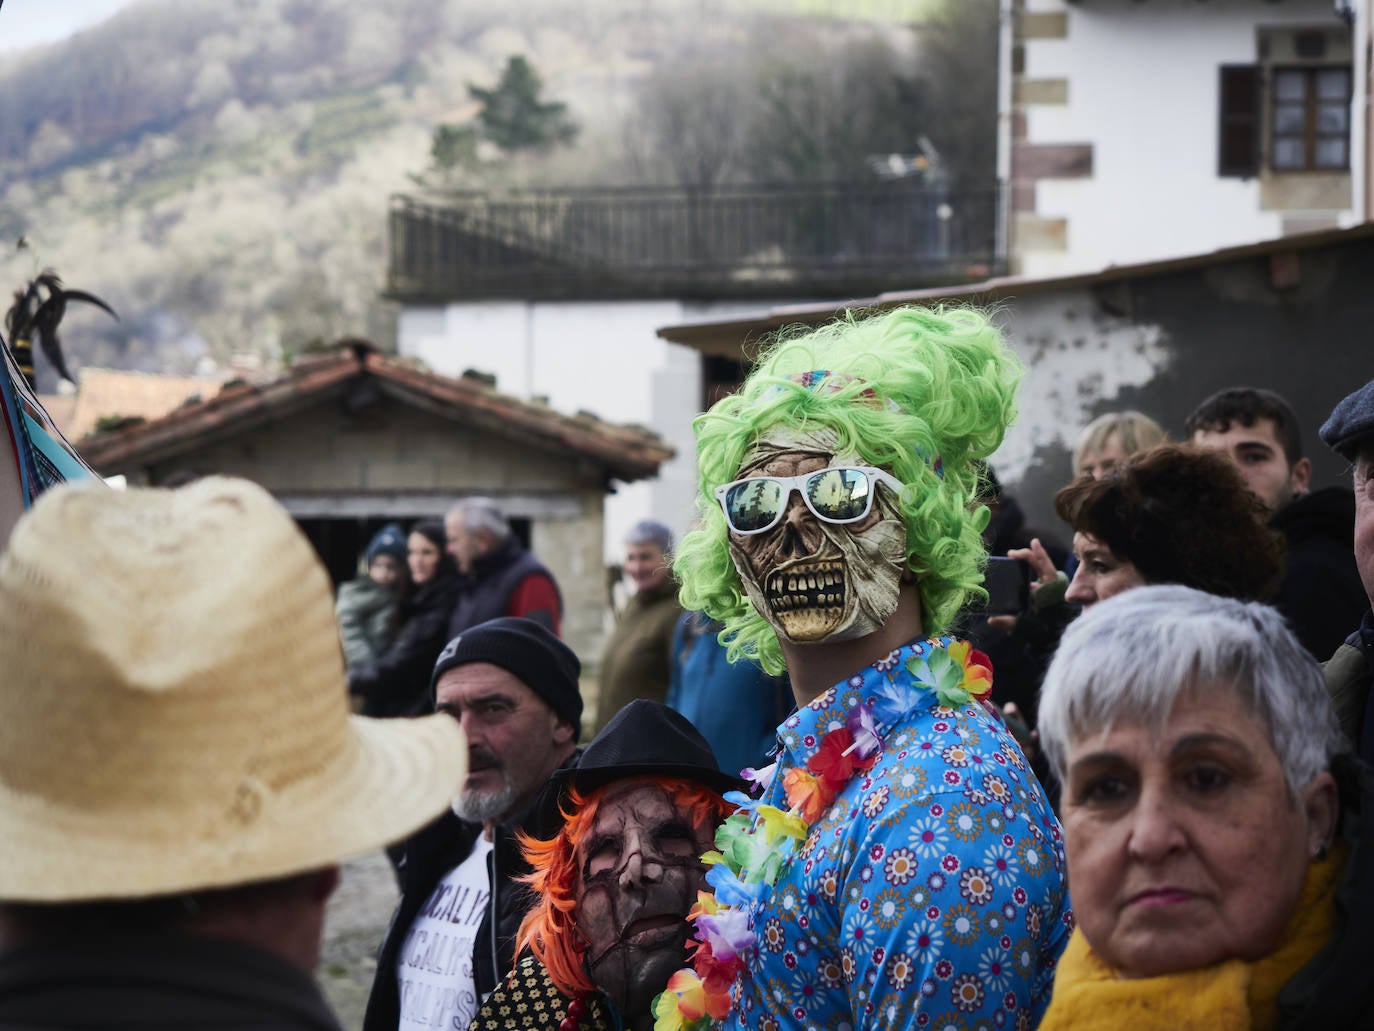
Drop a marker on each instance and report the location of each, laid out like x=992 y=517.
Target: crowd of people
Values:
x=1148 y=808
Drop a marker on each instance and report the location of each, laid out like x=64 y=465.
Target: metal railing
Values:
x=661 y=242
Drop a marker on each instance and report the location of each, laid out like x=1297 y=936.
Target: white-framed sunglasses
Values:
x=837 y=494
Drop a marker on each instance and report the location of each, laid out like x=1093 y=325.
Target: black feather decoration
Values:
x=36 y=313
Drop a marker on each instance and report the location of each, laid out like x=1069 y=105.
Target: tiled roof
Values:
x=625 y=452
x=110 y=393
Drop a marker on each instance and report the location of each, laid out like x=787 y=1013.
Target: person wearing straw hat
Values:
x=179 y=771
x=513 y=686
x=616 y=883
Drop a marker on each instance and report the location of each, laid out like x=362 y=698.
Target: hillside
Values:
x=219 y=172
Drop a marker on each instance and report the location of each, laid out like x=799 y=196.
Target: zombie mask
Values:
x=815 y=580
x=638 y=875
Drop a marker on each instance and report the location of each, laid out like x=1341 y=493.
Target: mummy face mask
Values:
x=638 y=875
x=815 y=580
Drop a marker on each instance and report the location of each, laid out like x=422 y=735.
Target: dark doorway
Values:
x=340 y=543
x=720 y=376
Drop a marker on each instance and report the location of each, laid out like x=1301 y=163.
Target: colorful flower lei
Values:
x=757 y=842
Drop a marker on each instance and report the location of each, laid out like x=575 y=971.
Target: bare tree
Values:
x=828 y=105
x=958 y=67
x=814 y=102
x=688 y=128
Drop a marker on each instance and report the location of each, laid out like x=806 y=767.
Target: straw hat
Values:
x=173 y=709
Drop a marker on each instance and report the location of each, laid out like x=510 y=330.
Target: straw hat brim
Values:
x=392 y=777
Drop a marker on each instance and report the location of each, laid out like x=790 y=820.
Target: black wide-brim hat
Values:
x=646 y=739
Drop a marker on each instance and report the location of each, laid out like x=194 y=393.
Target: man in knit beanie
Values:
x=513 y=686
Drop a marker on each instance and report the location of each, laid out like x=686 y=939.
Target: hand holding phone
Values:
x=1007 y=581
x=1040 y=562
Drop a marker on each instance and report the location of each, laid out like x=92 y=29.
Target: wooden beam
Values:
x=397 y=505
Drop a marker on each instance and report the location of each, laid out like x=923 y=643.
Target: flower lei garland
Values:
x=758 y=841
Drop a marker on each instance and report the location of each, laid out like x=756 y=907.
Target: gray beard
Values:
x=485 y=806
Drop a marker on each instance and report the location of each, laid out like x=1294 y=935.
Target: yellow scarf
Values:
x=1230 y=996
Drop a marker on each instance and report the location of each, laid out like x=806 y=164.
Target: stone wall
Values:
x=354 y=466
x=391 y=447
x=572 y=549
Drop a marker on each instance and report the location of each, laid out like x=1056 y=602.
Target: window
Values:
x=1311 y=119
x=1239 y=136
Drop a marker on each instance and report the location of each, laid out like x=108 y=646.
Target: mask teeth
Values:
x=819 y=586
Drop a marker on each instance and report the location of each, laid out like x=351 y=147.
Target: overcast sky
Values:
x=26 y=23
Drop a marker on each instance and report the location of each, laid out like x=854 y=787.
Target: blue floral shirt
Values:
x=932 y=893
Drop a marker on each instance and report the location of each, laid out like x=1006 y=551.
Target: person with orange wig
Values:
x=616 y=883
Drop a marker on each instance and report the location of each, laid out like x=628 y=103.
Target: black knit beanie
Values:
x=527 y=650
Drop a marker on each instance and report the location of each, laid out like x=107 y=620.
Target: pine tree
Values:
x=514 y=116
x=453 y=146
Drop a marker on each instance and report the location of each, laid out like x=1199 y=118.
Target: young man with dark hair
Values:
x=1320 y=595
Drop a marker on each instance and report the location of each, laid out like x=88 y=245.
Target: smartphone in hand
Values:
x=1007 y=581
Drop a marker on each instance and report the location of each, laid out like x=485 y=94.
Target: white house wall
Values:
x=601 y=357
x=1143 y=90
x=604 y=357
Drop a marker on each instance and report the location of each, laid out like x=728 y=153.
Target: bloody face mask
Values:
x=814 y=580
x=638 y=875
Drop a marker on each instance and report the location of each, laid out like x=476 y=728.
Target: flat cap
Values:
x=1351 y=422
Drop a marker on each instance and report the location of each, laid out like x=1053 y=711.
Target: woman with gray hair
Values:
x=1211 y=871
x=637 y=659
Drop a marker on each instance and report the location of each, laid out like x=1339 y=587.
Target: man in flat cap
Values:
x=179 y=772
x=513 y=686
x=1349 y=673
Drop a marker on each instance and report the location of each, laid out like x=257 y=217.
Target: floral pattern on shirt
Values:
x=931 y=894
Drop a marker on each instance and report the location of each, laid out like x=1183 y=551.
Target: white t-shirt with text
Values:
x=434 y=966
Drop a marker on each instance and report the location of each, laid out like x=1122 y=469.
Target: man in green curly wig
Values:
x=922 y=868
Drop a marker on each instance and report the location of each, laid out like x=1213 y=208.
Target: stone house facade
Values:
x=351 y=439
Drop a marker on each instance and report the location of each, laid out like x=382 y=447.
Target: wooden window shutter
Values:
x=1239 y=122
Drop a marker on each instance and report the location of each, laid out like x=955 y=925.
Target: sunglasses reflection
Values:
x=838 y=495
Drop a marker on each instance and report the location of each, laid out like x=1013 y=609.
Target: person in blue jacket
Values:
x=735 y=705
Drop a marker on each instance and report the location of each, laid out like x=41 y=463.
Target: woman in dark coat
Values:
x=396 y=683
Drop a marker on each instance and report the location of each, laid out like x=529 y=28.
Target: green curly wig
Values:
x=951 y=384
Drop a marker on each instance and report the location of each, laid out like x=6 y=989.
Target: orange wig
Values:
x=549 y=930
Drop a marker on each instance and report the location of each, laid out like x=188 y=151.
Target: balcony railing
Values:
x=730 y=242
